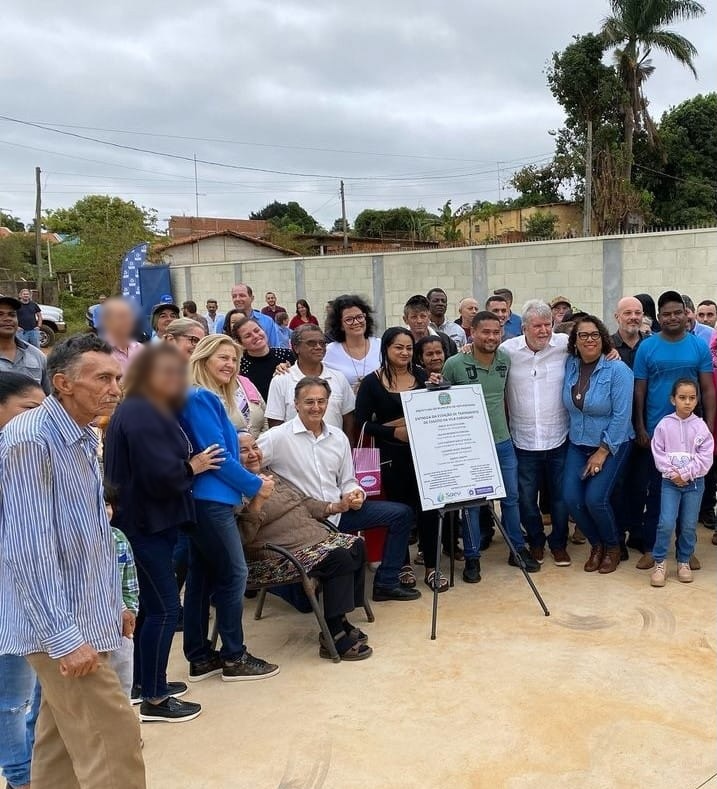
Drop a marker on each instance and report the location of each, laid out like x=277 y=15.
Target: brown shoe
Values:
x=578 y=537
x=561 y=558
x=538 y=554
x=645 y=562
x=610 y=561
x=695 y=563
x=595 y=559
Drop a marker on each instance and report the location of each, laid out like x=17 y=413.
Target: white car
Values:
x=53 y=322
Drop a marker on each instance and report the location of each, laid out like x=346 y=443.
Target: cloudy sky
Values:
x=411 y=102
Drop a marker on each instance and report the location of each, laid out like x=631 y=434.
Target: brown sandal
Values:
x=431 y=581
x=406 y=576
x=347 y=648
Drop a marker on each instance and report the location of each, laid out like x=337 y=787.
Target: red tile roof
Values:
x=242 y=236
x=185 y=226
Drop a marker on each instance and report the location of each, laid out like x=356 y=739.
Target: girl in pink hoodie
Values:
x=683 y=448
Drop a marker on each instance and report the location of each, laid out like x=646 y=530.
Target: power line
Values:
x=182 y=157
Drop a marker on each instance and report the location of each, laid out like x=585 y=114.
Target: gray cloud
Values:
x=461 y=85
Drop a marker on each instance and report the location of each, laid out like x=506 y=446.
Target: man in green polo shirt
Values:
x=488 y=366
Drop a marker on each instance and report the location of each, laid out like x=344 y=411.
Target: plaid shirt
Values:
x=127 y=571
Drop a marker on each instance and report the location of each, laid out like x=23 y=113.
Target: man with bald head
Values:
x=118 y=324
x=628 y=336
x=467 y=310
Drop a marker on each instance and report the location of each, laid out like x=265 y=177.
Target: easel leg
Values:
x=436 y=579
x=519 y=560
x=452 y=531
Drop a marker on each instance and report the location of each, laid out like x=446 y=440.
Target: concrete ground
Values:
x=615 y=689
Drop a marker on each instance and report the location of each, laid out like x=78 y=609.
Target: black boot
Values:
x=471 y=571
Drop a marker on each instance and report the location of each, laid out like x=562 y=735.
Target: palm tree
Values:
x=635 y=28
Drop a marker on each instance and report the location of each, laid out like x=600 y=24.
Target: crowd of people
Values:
x=161 y=470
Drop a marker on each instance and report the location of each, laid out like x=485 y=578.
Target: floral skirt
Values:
x=280 y=570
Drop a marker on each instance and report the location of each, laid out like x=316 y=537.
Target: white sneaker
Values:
x=659 y=574
x=684 y=573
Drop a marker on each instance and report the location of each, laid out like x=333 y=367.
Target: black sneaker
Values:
x=471 y=572
x=170 y=710
x=177 y=689
x=708 y=519
x=400 y=593
x=136 y=695
x=203 y=669
x=247 y=667
x=530 y=564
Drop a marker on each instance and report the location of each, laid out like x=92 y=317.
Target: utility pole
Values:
x=588 y=205
x=38 y=231
x=196 y=188
x=344 y=223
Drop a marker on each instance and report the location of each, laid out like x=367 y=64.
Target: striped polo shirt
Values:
x=59 y=580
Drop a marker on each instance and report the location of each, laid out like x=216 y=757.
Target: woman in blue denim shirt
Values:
x=598 y=397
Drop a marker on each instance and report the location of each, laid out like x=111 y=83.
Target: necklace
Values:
x=583 y=383
x=190 y=448
x=359 y=376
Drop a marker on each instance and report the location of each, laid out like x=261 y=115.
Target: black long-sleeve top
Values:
x=375 y=406
x=147 y=460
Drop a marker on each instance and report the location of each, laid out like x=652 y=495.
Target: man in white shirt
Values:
x=438 y=304
x=539 y=426
x=315 y=457
x=309 y=345
x=214 y=318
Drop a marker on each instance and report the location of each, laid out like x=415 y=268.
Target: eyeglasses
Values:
x=191 y=339
x=588 y=335
x=314 y=343
x=351 y=320
x=321 y=402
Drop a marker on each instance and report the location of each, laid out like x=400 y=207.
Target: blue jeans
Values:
x=678 y=505
x=31 y=336
x=399 y=520
x=589 y=500
x=158 y=610
x=216 y=566
x=534 y=468
x=509 y=513
x=19 y=705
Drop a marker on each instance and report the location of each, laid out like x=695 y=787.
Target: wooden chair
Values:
x=265 y=575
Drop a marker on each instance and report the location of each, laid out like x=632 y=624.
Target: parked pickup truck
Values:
x=53 y=322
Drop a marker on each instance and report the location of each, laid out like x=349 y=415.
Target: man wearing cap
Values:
x=16 y=355
x=243 y=299
x=560 y=307
x=661 y=360
x=162 y=315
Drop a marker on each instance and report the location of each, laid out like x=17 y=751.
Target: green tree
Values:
x=410 y=223
x=682 y=175
x=540 y=184
x=11 y=223
x=450 y=221
x=541 y=225
x=289 y=217
x=17 y=254
x=634 y=30
x=102 y=229
x=338 y=226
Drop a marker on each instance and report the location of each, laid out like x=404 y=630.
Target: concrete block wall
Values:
x=593 y=273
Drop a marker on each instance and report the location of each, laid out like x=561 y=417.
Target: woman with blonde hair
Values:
x=214 y=365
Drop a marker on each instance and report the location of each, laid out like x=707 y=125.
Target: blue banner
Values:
x=129 y=273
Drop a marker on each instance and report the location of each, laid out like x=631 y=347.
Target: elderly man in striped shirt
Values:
x=60 y=594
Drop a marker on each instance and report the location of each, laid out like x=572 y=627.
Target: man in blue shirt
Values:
x=512 y=327
x=660 y=361
x=243 y=299
x=60 y=593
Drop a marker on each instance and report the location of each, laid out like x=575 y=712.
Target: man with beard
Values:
x=488 y=366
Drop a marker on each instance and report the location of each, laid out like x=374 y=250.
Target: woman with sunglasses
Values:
x=355 y=351
x=598 y=397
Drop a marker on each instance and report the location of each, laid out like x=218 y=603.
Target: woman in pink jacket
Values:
x=683 y=448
